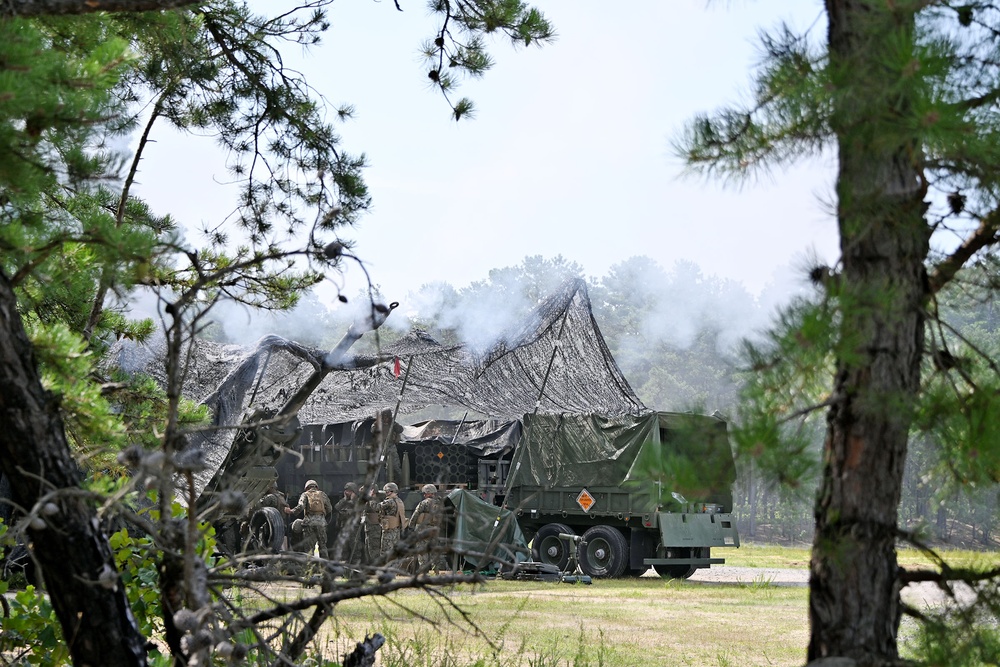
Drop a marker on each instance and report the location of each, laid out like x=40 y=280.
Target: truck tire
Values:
x=604 y=552
x=267 y=530
x=548 y=548
x=680 y=571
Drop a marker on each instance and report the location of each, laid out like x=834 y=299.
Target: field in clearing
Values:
x=739 y=614
x=645 y=621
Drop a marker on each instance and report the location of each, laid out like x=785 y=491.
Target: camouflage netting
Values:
x=560 y=347
x=558 y=361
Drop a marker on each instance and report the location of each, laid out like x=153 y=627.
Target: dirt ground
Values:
x=923 y=594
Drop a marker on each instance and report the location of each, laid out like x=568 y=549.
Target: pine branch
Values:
x=950 y=574
x=32 y=8
x=988 y=234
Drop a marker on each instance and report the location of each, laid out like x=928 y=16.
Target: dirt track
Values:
x=773 y=576
x=921 y=594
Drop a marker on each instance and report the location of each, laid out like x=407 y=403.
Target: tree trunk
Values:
x=65 y=537
x=854 y=584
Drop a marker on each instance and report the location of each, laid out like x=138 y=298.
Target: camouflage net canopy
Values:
x=557 y=360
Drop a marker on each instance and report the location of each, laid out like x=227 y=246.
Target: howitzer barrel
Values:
x=335 y=358
x=257 y=444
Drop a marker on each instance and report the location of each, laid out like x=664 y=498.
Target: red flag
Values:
x=395 y=366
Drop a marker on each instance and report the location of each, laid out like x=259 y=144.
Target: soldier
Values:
x=348 y=529
x=426 y=520
x=371 y=526
x=273 y=498
x=316 y=510
x=393 y=519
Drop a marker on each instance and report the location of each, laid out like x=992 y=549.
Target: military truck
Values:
x=651 y=490
x=614 y=495
x=561 y=440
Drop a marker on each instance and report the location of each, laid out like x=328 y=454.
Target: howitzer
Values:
x=235 y=496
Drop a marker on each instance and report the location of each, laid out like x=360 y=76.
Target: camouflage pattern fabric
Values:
x=353 y=552
x=389 y=539
x=373 y=541
x=314 y=534
x=426 y=517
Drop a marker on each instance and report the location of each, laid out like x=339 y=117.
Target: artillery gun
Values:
x=557 y=438
x=247 y=473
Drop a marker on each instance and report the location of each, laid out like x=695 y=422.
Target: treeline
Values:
x=678 y=336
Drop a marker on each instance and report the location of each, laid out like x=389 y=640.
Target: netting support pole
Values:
x=384 y=445
x=525 y=437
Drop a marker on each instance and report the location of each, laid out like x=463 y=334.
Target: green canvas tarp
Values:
x=476 y=527
x=693 y=451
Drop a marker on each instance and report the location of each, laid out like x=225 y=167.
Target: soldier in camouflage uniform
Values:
x=316 y=510
x=371 y=527
x=393 y=519
x=273 y=498
x=348 y=529
x=426 y=520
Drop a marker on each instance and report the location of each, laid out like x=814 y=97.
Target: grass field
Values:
x=768 y=555
x=645 y=621
x=628 y=622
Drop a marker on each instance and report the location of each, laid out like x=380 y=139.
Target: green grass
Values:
x=767 y=555
x=913 y=558
x=644 y=621
x=751 y=554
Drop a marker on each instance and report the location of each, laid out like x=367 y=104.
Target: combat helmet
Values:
x=428 y=488
x=391 y=487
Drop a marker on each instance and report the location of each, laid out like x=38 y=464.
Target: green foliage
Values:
x=963 y=634
x=959 y=407
x=51 y=97
x=786 y=382
x=136 y=560
x=92 y=422
x=31 y=632
x=58 y=236
x=459 y=48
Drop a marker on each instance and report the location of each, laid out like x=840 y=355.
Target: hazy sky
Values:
x=569 y=153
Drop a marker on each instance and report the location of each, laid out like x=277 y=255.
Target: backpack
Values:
x=314 y=503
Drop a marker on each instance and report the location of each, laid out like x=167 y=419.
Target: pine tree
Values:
x=904 y=93
x=74 y=234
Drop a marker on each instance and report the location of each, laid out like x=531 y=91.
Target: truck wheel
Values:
x=604 y=552
x=267 y=530
x=678 y=571
x=548 y=548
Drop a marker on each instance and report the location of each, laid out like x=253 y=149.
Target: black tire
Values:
x=604 y=552
x=679 y=571
x=548 y=548
x=267 y=530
